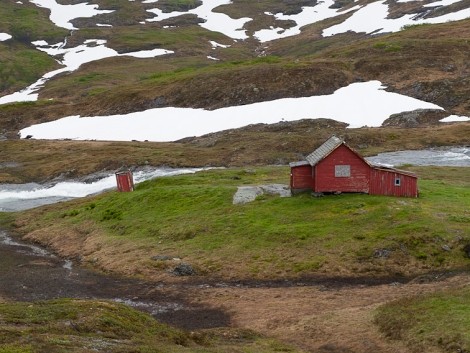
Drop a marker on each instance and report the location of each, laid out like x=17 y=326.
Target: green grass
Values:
x=68 y=325
x=436 y=320
x=193 y=217
x=21 y=66
x=27 y=22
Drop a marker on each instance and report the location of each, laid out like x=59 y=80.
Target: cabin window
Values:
x=342 y=171
x=397 y=181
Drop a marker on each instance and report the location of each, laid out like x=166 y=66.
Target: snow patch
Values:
x=218 y=45
x=359 y=104
x=213 y=21
x=61 y=15
x=454 y=118
x=72 y=59
x=4 y=36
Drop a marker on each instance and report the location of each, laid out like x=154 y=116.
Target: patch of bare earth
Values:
x=319 y=318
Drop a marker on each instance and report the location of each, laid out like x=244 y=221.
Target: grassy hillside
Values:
x=439 y=321
x=193 y=218
x=427 y=62
x=80 y=326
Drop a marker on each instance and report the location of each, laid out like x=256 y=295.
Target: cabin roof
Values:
x=393 y=170
x=298 y=164
x=324 y=150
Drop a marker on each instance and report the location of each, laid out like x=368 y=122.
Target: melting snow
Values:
x=4 y=37
x=372 y=18
x=309 y=15
x=358 y=104
x=214 y=21
x=73 y=58
x=61 y=15
x=453 y=118
x=218 y=45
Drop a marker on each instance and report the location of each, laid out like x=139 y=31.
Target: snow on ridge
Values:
x=359 y=104
x=372 y=18
x=61 y=15
x=308 y=15
x=213 y=21
x=73 y=58
x=455 y=118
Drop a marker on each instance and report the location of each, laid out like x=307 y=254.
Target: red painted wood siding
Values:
x=301 y=178
x=382 y=182
x=326 y=181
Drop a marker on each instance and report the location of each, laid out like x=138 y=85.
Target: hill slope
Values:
x=212 y=67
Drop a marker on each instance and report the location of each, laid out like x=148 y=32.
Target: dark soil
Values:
x=26 y=276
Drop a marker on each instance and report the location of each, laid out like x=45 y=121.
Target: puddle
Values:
x=24 y=248
x=152 y=308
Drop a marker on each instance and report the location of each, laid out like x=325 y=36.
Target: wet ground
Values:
x=331 y=315
x=29 y=273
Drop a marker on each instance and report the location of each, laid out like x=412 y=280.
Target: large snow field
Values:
x=359 y=104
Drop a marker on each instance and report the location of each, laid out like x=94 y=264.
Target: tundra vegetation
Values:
x=192 y=217
x=70 y=325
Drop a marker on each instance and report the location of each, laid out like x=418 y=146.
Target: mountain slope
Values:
x=208 y=69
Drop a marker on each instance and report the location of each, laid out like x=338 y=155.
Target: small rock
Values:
x=183 y=269
x=246 y=194
x=446 y=247
x=385 y=253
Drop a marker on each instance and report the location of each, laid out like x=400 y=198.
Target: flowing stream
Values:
x=18 y=197
x=444 y=157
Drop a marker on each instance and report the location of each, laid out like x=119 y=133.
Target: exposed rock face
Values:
x=415 y=118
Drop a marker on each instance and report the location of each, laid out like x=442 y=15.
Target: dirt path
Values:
x=317 y=318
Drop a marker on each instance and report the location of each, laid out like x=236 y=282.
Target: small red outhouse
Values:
x=335 y=167
x=125 y=181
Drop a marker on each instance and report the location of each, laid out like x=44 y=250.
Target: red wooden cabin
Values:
x=336 y=167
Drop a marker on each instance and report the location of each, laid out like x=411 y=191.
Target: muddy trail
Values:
x=30 y=273
x=317 y=314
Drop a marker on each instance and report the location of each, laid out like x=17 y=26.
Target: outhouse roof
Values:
x=324 y=150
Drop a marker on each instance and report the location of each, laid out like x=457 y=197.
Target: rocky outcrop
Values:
x=415 y=118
